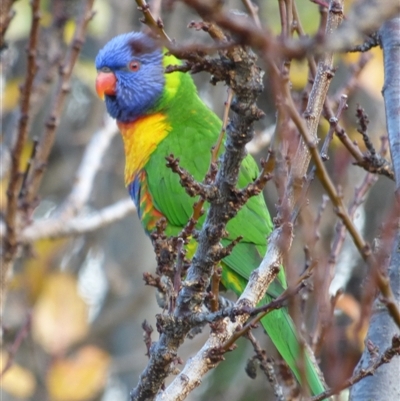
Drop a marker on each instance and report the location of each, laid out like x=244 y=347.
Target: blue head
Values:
x=130 y=75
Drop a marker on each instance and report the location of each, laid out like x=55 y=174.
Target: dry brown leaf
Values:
x=60 y=314
x=352 y=308
x=80 y=377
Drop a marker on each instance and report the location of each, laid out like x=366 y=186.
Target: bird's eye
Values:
x=105 y=69
x=134 y=65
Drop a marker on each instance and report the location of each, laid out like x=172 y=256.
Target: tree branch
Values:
x=47 y=140
x=91 y=162
x=59 y=227
x=7 y=14
x=15 y=180
x=197 y=366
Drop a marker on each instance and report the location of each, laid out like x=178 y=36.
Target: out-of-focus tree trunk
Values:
x=384 y=384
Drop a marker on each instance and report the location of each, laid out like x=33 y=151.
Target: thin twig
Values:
x=15 y=180
x=7 y=14
x=263 y=310
x=323 y=77
x=147 y=330
x=47 y=140
x=372 y=40
x=91 y=163
x=341 y=211
x=156 y=25
x=333 y=123
x=217 y=147
x=336 y=247
x=58 y=228
x=68 y=219
x=22 y=334
x=215 y=283
x=252 y=9
x=267 y=367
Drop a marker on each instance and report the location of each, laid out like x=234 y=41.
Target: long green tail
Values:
x=280 y=328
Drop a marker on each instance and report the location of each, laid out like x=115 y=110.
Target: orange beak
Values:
x=106 y=84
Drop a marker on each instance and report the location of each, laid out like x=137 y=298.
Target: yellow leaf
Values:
x=351 y=57
x=60 y=314
x=298 y=74
x=371 y=77
x=3 y=193
x=32 y=277
x=17 y=381
x=69 y=31
x=78 y=378
x=10 y=97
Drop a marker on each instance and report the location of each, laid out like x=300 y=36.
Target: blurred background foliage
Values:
x=78 y=303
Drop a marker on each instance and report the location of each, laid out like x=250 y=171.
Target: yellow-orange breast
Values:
x=141 y=138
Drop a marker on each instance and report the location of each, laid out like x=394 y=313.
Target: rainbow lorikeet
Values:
x=160 y=114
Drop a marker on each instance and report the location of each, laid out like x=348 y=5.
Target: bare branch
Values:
x=156 y=25
x=89 y=167
x=336 y=198
x=15 y=180
x=58 y=227
x=46 y=142
x=260 y=279
x=267 y=367
x=7 y=14
x=22 y=334
x=371 y=41
x=252 y=9
x=323 y=77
